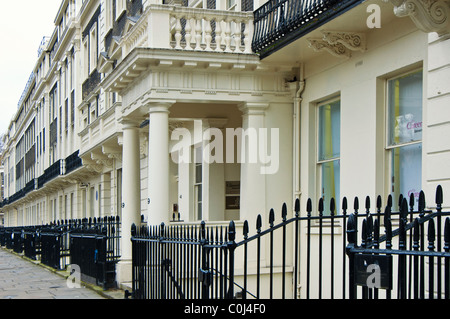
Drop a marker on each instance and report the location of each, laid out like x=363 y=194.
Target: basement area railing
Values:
x=316 y=256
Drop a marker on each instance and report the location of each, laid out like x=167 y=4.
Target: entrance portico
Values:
x=221 y=91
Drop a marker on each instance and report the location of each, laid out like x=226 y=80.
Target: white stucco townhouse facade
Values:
x=142 y=109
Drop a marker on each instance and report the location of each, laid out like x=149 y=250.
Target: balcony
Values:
x=280 y=22
x=50 y=173
x=91 y=83
x=73 y=162
x=169 y=35
x=187 y=29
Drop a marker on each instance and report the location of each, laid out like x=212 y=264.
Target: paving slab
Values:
x=22 y=279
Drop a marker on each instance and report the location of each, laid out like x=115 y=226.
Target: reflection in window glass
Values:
x=405 y=109
x=329 y=138
x=405 y=135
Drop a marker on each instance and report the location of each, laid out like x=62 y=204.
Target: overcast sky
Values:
x=24 y=23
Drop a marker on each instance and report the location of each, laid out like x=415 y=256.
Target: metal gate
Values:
x=416 y=267
x=94 y=247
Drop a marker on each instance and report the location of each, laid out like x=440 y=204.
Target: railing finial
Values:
x=439 y=196
x=232 y=232
x=258 y=223
x=309 y=207
x=271 y=217
x=297 y=207
x=332 y=206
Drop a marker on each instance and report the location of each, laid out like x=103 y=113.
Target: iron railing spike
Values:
x=439 y=195
x=284 y=212
x=367 y=204
x=332 y=206
x=258 y=223
x=344 y=204
x=379 y=202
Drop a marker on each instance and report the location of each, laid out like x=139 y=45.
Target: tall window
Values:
x=329 y=144
x=404 y=136
x=198 y=182
x=93 y=48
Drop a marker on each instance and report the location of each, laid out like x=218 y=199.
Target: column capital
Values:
x=253 y=108
x=129 y=123
x=158 y=106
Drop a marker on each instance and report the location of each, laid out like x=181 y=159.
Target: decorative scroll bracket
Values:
x=339 y=44
x=428 y=15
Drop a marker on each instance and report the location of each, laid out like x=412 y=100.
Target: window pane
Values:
x=405 y=109
x=199 y=193
x=199 y=211
x=330 y=184
x=198 y=165
x=198 y=173
x=406 y=172
x=329 y=130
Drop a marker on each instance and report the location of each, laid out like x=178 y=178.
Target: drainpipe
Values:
x=300 y=87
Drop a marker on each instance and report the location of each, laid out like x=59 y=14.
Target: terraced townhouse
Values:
x=345 y=98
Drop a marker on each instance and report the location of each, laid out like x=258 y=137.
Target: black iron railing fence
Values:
x=420 y=262
x=279 y=22
x=197 y=261
x=92 y=244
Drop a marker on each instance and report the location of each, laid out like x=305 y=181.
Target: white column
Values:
x=253 y=182
x=158 y=164
x=131 y=199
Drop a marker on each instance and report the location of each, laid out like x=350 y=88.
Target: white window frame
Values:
x=321 y=162
x=390 y=148
x=198 y=186
x=93 y=48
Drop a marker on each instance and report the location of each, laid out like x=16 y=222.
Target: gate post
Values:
x=231 y=246
x=204 y=273
x=351 y=238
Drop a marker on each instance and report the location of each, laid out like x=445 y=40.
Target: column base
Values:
x=124 y=273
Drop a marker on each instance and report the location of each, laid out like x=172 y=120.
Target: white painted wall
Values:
x=359 y=82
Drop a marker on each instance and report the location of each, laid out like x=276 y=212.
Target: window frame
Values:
x=93 y=47
x=389 y=148
x=198 y=185
x=320 y=162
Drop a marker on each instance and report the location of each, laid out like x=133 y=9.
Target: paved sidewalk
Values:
x=23 y=279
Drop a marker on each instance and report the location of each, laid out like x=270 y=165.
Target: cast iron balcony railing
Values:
x=91 y=83
x=61 y=167
x=73 y=162
x=50 y=173
x=279 y=22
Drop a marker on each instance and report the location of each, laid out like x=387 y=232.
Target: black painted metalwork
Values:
x=413 y=257
x=279 y=22
x=92 y=244
x=199 y=261
x=94 y=247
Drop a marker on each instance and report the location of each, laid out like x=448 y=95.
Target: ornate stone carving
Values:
x=339 y=44
x=143 y=146
x=338 y=49
x=92 y=166
x=428 y=15
x=352 y=41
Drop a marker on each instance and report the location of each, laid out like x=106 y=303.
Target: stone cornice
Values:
x=140 y=60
